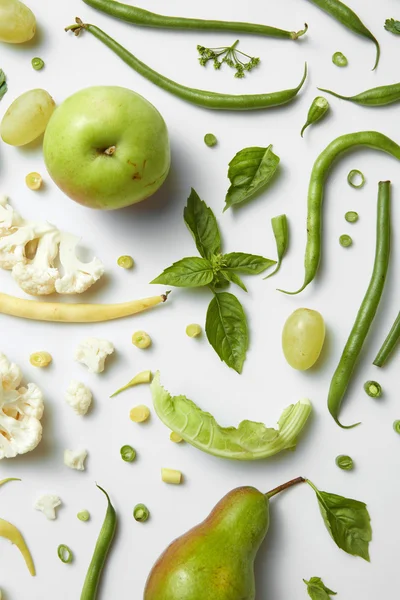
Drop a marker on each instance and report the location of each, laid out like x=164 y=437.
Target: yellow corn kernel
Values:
x=193 y=330
x=175 y=437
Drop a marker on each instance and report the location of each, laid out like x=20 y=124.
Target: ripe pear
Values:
x=215 y=559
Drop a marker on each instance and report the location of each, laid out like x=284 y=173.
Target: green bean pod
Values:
x=201 y=98
x=370 y=139
x=103 y=544
x=145 y=18
x=317 y=111
x=389 y=344
x=379 y=96
x=349 y=19
x=368 y=308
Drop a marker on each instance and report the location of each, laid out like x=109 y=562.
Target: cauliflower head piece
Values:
x=21 y=409
x=92 y=352
x=75 y=459
x=79 y=397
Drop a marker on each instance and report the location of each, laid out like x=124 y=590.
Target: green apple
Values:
x=107 y=147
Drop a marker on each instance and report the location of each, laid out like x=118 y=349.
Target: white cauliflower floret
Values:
x=75 y=459
x=38 y=277
x=47 y=504
x=93 y=352
x=8 y=217
x=20 y=412
x=13 y=245
x=10 y=374
x=79 y=397
x=78 y=276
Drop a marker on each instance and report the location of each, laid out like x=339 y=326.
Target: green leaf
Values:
x=281 y=234
x=249 y=171
x=234 y=278
x=347 y=521
x=251 y=264
x=393 y=26
x=317 y=590
x=226 y=329
x=3 y=84
x=249 y=441
x=203 y=225
x=188 y=272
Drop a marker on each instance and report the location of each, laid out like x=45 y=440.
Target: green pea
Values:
x=83 y=515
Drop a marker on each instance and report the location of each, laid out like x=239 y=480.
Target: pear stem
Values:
x=284 y=486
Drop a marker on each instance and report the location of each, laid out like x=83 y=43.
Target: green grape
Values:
x=17 y=22
x=27 y=117
x=302 y=338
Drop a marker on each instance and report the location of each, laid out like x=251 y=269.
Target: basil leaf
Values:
x=281 y=234
x=251 y=264
x=3 y=84
x=249 y=171
x=226 y=329
x=347 y=521
x=317 y=590
x=234 y=278
x=188 y=272
x=202 y=224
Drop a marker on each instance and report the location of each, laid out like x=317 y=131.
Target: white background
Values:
x=297 y=545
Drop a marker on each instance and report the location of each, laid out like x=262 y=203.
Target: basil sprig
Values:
x=226 y=323
x=347 y=521
x=317 y=590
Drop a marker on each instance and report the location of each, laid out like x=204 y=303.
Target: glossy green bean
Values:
x=317 y=111
x=103 y=544
x=368 y=308
x=201 y=98
x=389 y=344
x=144 y=18
x=349 y=19
x=370 y=139
x=378 y=96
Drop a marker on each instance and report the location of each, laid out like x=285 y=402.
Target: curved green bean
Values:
x=90 y=587
x=202 y=98
x=145 y=18
x=368 y=308
x=347 y=17
x=378 y=96
x=370 y=139
x=389 y=344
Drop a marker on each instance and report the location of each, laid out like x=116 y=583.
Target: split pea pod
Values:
x=347 y=17
x=370 y=139
x=104 y=541
x=368 y=308
x=145 y=18
x=201 y=98
x=378 y=96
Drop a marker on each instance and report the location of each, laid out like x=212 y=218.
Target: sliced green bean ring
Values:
x=354 y=176
x=65 y=554
x=344 y=462
x=351 y=216
x=396 y=426
x=203 y=98
x=345 y=241
x=145 y=18
x=319 y=174
x=340 y=60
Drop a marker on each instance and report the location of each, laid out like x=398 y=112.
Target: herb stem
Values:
x=285 y=486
